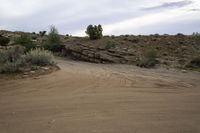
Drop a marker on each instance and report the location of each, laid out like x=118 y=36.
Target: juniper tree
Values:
x=94 y=32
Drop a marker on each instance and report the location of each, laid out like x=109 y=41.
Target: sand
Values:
x=101 y=98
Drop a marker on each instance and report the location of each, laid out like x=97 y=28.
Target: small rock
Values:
x=32 y=72
x=45 y=68
x=25 y=76
x=25 y=73
x=184 y=71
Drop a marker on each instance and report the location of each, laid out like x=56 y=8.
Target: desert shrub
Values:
x=126 y=35
x=196 y=35
x=150 y=53
x=39 y=57
x=34 y=37
x=147 y=63
x=132 y=39
x=3 y=56
x=106 y=36
x=14 y=60
x=125 y=39
x=11 y=60
x=4 y=40
x=15 y=53
x=54 y=47
x=11 y=54
x=113 y=36
x=25 y=40
x=12 y=67
x=53 y=36
x=42 y=33
x=53 y=42
x=149 y=60
x=180 y=35
x=110 y=44
x=94 y=32
x=29 y=47
x=156 y=35
x=195 y=62
x=135 y=40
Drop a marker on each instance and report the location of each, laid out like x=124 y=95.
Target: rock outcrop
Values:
x=99 y=55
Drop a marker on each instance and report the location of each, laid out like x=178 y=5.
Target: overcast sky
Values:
x=116 y=16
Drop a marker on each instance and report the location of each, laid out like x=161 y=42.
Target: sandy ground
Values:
x=95 y=98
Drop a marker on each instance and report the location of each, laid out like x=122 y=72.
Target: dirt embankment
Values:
x=96 y=98
x=172 y=51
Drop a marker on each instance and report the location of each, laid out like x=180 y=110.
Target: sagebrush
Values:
x=149 y=60
x=39 y=57
x=16 y=60
x=26 y=41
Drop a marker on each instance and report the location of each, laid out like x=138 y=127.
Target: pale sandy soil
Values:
x=95 y=98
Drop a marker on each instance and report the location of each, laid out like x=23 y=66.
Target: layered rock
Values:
x=100 y=55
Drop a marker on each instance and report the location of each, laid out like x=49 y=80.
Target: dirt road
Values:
x=96 y=98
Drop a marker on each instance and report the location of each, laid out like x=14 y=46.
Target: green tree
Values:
x=54 y=42
x=94 y=32
x=100 y=31
x=53 y=36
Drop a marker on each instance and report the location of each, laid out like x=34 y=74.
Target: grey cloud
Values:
x=194 y=10
x=70 y=16
x=165 y=28
x=168 y=5
x=69 y=19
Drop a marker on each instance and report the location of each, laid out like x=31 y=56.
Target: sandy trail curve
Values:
x=95 y=98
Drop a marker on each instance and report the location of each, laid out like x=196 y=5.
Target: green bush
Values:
x=94 y=32
x=54 y=47
x=53 y=42
x=11 y=54
x=12 y=67
x=132 y=39
x=110 y=44
x=53 y=36
x=180 y=35
x=147 y=63
x=39 y=57
x=195 y=62
x=150 y=54
x=25 y=40
x=14 y=60
x=149 y=60
x=11 y=59
x=3 y=56
x=4 y=41
x=196 y=35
